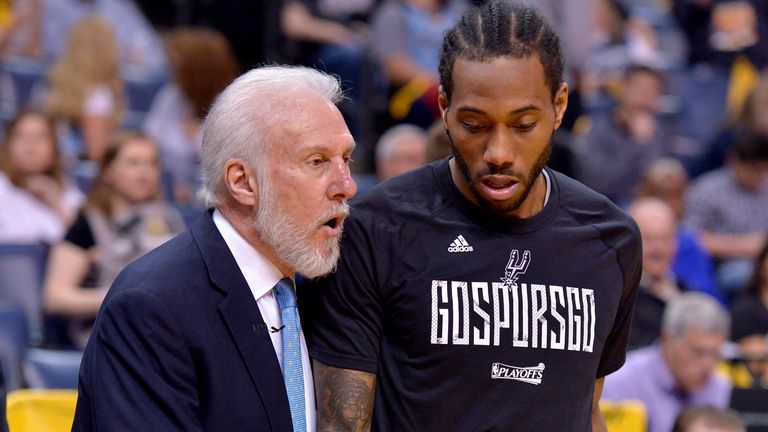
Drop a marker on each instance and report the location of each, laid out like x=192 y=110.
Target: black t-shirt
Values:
x=80 y=233
x=473 y=322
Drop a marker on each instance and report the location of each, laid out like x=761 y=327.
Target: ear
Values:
x=241 y=182
x=442 y=102
x=561 y=103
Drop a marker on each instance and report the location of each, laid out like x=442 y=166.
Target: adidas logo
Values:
x=460 y=245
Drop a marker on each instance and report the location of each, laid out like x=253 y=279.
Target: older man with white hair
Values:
x=679 y=371
x=203 y=332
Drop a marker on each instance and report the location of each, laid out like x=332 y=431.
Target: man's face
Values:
x=751 y=175
x=501 y=119
x=641 y=92
x=409 y=153
x=692 y=358
x=302 y=197
x=658 y=229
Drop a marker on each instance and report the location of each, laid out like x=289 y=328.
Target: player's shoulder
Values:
x=592 y=208
x=414 y=193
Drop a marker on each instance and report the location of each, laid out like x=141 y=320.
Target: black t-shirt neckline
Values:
x=482 y=218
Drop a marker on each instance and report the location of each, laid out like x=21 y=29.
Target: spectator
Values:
x=407 y=38
x=38 y=201
x=400 y=149
x=136 y=43
x=708 y=419
x=620 y=145
x=728 y=208
x=22 y=18
x=85 y=90
x=617 y=42
x=753 y=117
x=679 y=371
x=667 y=180
x=203 y=65
x=750 y=320
x=122 y=220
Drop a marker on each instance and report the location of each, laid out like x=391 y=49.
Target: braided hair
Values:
x=500 y=29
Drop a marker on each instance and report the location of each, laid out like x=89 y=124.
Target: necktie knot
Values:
x=285 y=293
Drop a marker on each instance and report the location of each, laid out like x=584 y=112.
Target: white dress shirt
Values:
x=261 y=276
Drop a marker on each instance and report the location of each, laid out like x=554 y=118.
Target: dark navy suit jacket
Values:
x=180 y=345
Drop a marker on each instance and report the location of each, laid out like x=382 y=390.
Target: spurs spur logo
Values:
x=516 y=266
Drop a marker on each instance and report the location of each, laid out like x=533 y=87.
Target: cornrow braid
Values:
x=498 y=28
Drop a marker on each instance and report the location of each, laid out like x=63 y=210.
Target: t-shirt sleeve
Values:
x=346 y=311
x=629 y=254
x=80 y=233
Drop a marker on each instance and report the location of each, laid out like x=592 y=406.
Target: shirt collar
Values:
x=664 y=376
x=259 y=273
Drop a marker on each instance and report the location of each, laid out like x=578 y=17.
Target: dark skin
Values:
x=344 y=399
x=501 y=129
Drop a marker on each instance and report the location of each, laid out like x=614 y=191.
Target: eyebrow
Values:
x=529 y=107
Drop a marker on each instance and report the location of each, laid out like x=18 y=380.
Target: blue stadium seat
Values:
x=13 y=344
x=52 y=369
x=22 y=267
x=140 y=91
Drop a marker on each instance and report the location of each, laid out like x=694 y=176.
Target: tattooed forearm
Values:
x=344 y=399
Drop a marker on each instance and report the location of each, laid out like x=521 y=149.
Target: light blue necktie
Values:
x=293 y=373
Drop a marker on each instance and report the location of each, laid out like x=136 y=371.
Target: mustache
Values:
x=497 y=170
x=336 y=210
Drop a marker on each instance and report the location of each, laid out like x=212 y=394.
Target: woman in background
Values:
x=38 y=202
x=122 y=220
x=203 y=64
x=85 y=91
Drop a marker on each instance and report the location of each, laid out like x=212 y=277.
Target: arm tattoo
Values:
x=345 y=399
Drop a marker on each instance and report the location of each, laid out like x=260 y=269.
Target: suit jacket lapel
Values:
x=239 y=310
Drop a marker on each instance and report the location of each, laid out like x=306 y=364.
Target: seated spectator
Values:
x=679 y=371
x=122 y=220
x=616 y=42
x=202 y=64
x=137 y=45
x=749 y=315
x=621 y=145
x=407 y=39
x=38 y=202
x=753 y=118
x=85 y=90
x=708 y=419
x=728 y=208
x=400 y=149
x=22 y=18
x=667 y=180
x=658 y=285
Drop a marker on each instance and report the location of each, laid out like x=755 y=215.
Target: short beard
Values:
x=502 y=210
x=293 y=243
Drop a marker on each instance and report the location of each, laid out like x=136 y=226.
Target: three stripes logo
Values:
x=460 y=245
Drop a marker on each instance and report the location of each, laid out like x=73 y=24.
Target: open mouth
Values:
x=498 y=187
x=333 y=222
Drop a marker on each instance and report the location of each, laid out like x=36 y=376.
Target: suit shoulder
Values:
x=160 y=270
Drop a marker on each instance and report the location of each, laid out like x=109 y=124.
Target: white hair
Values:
x=241 y=120
x=695 y=310
x=386 y=144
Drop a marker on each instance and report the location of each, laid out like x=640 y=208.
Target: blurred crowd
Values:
x=101 y=103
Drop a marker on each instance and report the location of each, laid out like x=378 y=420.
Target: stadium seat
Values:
x=624 y=416
x=13 y=344
x=41 y=410
x=22 y=267
x=52 y=369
